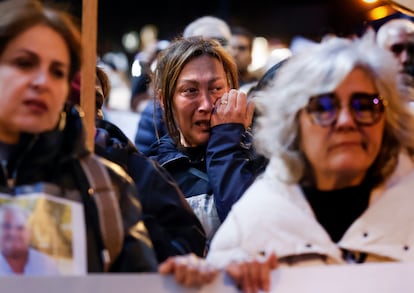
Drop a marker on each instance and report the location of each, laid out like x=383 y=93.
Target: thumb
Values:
x=166 y=267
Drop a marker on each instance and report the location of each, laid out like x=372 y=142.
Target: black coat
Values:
x=172 y=224
x=52 y=158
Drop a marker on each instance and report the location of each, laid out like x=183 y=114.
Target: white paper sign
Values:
x=41 y=235
x=366 y=278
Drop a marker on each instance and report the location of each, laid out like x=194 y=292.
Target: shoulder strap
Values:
x=198 y=173
x=109 y=213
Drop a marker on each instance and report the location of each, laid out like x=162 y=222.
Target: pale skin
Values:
x=250 y=276
x=14 y=239
x=201 y=87
x=400 y=34
x=34 y=69
x=341 y=154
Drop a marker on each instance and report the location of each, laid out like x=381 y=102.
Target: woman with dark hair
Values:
x=42 y=140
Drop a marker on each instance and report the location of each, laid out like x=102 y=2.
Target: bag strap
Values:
x=198 y=173
x=109 y=212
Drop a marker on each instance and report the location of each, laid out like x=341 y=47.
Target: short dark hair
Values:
x=242 y=31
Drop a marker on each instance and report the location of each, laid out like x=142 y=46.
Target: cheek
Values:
x=375 y=141
x=177 y=111
x=184 y=109
x=312 y=138
x=61 y=93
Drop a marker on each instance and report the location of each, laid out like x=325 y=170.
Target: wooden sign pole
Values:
x=89 y=43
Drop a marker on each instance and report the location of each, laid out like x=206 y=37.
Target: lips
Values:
x=346 y=144
x=36 y=106
x=203 y=124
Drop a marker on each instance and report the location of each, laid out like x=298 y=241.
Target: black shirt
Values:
x=337 y=209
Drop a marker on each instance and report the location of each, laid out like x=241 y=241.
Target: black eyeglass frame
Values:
x=375 y=102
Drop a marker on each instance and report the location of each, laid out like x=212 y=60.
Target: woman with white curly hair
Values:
x=338 y=132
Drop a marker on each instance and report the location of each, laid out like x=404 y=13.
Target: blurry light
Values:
x=404 y=6
x=130 y=41
x=370 y=1
x=260 y=53
x=136 y=68
x=380 y=12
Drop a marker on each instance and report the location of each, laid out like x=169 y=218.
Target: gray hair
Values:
x=320 y=70
x=208 y=27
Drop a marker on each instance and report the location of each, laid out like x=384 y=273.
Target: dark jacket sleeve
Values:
x=137 y=254
x=172 y=224
x=231 y=165
x=149 y=124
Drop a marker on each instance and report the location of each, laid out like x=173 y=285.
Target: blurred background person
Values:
x=397 y=36
x=142 y=70
x=209 y=26
x=241 y=47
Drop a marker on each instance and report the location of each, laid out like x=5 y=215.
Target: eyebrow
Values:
x=34 y=54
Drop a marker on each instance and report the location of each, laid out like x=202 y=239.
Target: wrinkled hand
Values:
x=189 y=270
x=253 y=275
x=233 y=107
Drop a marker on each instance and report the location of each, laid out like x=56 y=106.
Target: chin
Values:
x=202 y=139
x=36 y=130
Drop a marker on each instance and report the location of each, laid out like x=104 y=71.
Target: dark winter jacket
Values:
x=228 y=160
x=151 y=126
x=172 y=225
x=52 y=158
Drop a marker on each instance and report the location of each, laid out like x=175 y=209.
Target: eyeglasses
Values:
x=366 y=109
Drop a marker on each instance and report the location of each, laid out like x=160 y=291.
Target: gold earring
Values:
x=62 y=120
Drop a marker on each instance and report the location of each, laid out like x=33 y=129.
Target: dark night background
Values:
x=268 y=18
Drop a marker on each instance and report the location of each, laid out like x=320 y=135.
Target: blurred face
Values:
x=14 y=235
x=201 y=82
x=240 y=50
x=34 y=70
x=401 y=44
x=341 y=151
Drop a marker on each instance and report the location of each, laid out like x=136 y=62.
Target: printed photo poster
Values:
x=40 y=235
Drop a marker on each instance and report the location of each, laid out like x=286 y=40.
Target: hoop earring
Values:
x=62 y=120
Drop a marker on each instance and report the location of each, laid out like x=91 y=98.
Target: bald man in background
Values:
x=397 y=36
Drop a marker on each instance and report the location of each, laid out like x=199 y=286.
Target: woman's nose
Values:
x=40 y=78
x=345 y=117
x=206 y=102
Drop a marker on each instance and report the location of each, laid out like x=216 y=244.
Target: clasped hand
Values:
x=233 y=107
x=249 y=275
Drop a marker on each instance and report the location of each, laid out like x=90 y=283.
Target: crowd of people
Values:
x=309 y=163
